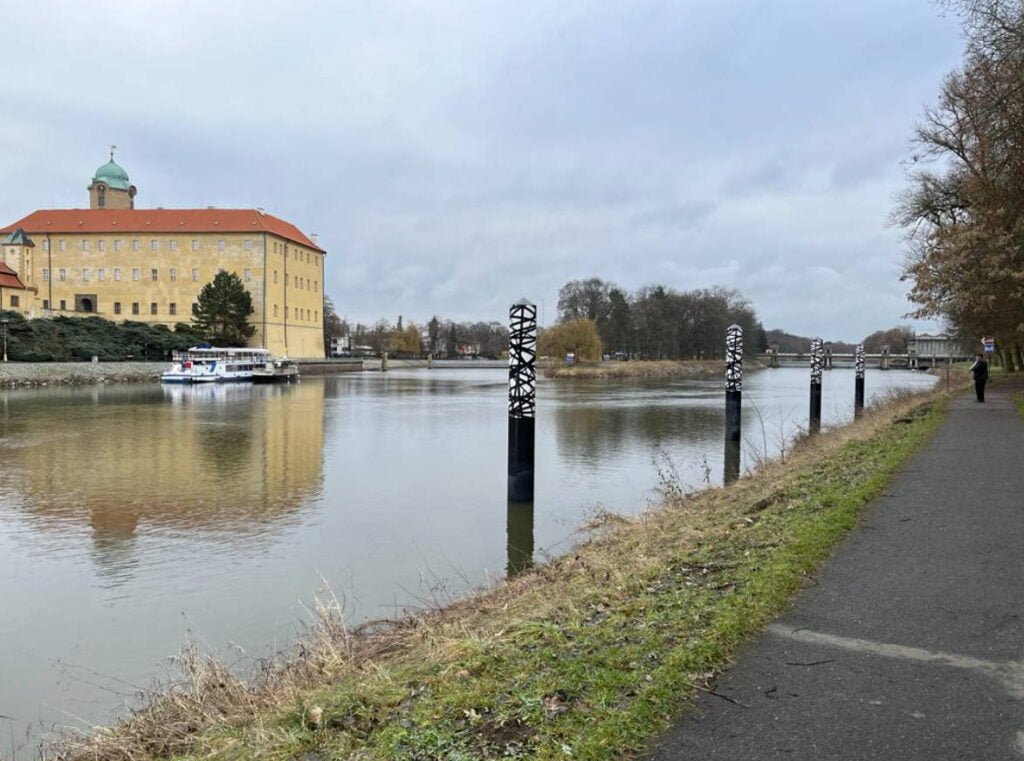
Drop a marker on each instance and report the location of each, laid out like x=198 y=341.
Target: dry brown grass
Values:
x=653 y=369
x=192 y=715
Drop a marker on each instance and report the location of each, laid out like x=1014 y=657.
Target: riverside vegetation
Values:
x=644 y=369
x=587 y=656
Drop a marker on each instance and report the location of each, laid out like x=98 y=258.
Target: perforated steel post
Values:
x=522 y=404
x=814 y=425
x=733 y=400
x=858 y=383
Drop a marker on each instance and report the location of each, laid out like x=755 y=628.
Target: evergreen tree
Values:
x=222 y=311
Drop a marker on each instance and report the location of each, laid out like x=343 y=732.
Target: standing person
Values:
x=980 y=372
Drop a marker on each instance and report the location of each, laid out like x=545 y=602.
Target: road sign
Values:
x=989 y=344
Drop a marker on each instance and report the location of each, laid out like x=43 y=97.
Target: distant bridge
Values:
x=881 y=361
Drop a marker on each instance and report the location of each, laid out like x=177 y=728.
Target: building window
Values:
x=62 y=244
x=135 y=307
x=195 y=244
x=101 y=274
x=247 y=275
x=46 y=245
x=117 y=245
x=316 y=285
x=275 y=310
x=316 y=316
x=46 y=275
x=117 y=307
x=154 y=245
x=152 y=308
x=154 y=275
x=63 y=305
x=173 y=274
x=247 y=244
x=46 y=303
x=275 y=276
x=172 y=245
x=15 y=301
x=172 y=308
x=117 y=273
x=101 y=245
x=136 y=275
x=195 y=274
x=101 y=196
x=221 y=244
x=63 y=276
x=85 y=274
x=135 y=244
x=85 y=244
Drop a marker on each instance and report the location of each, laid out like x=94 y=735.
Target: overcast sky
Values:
x=454 y=157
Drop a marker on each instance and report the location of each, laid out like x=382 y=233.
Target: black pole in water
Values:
x=522 y=384
x=733 y=400
x=858 y=383
x=519 y=538
x=815 y=422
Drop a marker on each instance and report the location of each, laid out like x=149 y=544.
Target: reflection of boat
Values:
x=276 y=371
x=201 y=393
x=210 y=364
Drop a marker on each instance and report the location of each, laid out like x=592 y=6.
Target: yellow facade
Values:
x=156 y=277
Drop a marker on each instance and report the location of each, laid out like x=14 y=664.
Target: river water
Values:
x=136 y=518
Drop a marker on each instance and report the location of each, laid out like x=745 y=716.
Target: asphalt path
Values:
x=910 y=642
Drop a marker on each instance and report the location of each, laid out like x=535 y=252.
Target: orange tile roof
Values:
x=9 y=278
x=113 y=221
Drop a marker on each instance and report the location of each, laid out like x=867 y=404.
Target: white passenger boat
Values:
x=212 y=364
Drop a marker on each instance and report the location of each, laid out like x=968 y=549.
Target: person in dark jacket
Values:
x=980 y=372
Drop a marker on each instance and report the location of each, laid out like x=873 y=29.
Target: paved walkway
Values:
x=910 y=645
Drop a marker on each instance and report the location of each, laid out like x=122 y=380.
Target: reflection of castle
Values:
x=227 y=459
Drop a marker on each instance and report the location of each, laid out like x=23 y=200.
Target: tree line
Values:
x=896 y=340
x=439 y=337
x=598 y=317
x=79 y=339
x=963 y=207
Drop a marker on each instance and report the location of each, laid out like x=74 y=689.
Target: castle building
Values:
x=149 y=265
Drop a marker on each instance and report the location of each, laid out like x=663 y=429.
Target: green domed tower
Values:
x=110 y=187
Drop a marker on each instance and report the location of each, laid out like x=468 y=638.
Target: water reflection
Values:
x=731 y=470
x=519 y=538
x=651 y=418
x=217 y=458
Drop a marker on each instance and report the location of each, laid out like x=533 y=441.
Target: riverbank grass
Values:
x=586 y=657
x=644 y=369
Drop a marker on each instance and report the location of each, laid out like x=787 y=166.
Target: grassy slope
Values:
x=584 y=658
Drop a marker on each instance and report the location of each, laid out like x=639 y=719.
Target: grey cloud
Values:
x=682 y=216
x=456 y=157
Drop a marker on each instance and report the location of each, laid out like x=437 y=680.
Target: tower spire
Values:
x=112 y=149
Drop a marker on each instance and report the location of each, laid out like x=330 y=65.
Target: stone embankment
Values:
x=30 y=374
